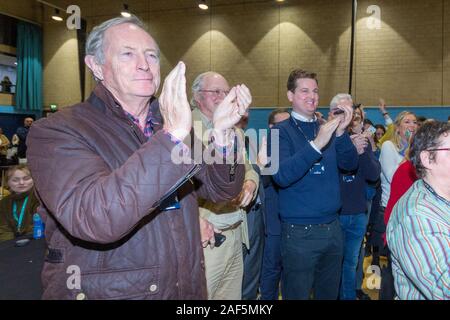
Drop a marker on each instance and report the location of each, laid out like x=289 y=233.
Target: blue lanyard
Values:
x=22 y=212
x=434 y=193
x=302 y=132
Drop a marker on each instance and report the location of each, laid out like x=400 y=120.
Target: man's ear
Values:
x=290 y=95
x=425 y=159
x=197 y=96
x=96 y=68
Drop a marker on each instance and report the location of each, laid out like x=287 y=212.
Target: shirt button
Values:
x=81 y=296
x=153 y=288
x=176 y=284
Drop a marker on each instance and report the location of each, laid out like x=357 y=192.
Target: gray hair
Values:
x=197 y=85
x=95 y=40
x=340 y=96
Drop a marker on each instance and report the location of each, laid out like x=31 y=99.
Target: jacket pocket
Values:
x=121 y=284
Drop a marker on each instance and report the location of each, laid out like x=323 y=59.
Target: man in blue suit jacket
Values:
x=309 y=194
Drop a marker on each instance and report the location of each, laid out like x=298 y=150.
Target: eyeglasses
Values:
x=217 y=92
x=439 y=149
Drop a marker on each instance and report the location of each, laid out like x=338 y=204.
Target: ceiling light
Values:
x=125 y=13
x=56 y=16
x=202 y=5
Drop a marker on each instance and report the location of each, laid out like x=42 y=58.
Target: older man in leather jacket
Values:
x=101 y=165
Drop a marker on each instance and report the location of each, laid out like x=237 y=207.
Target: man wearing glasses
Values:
x=418 y=229
x=223 y=264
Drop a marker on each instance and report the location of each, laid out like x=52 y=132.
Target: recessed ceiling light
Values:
x=125 y=12
x=202 y=5
x=56 y=16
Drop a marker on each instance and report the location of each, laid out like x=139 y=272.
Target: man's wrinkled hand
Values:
x=232 y=108
x=360 y=142
x=345 y=119
x=246 y=196
x=207 y=233
x=174 y=105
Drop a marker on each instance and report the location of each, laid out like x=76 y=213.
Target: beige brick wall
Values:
x=401 y=61
x=60 y=63
x=407 y=61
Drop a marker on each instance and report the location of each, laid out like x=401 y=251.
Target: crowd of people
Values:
x=14 y=151
x=142 y=224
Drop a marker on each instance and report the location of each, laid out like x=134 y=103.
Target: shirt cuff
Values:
x=315 y=147
x=224 y=151
x=178 y=142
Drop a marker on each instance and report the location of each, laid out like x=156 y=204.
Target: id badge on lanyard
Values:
x=173 y=205
x=317 y=169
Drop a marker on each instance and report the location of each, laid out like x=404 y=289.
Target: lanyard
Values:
x=22 y=212
x=434 y=193
x=302 y=132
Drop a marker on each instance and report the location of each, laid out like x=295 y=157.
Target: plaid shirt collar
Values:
x=150 y=122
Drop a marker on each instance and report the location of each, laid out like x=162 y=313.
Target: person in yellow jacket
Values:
x=4 y=145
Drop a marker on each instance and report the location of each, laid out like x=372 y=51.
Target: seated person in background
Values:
x=22 y=133
x=4 y=145
x=418 y=229
x=6 y=84
x=17 y=209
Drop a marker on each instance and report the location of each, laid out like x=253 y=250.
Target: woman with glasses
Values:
x=418 y=230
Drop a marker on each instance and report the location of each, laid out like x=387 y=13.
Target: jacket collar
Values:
x=102 y=97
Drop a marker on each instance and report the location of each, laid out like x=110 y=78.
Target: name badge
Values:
x=317 y=168
x=173 y=206
x=349 y=178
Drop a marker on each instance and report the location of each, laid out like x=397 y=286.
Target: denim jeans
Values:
x=271 y=268
x=354 y=228
x=312 y=260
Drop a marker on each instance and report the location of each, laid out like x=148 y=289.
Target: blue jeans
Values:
x=312 y=260
x=271 y=268
x=354 y=228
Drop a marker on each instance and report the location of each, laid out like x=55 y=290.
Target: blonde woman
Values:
x=392 y=154
x=17 y=209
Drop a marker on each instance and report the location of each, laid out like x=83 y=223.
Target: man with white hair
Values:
x=309 y=198
x=353 y=213
x=224 y=264
x=103 y=170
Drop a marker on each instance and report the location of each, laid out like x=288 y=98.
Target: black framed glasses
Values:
x=439 y=149
x=217 y=92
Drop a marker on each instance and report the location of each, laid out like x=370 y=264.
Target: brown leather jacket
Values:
x=97 y=178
